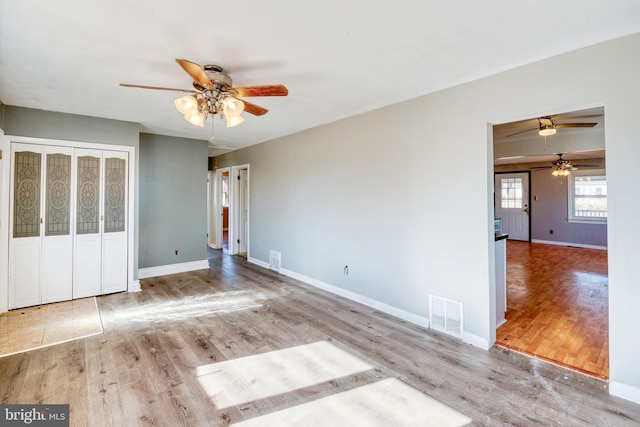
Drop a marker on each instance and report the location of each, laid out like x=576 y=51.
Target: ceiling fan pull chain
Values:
x=212 y=136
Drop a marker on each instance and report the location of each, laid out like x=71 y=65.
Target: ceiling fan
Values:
x=547 y=126
x=562 y=167
x=214 y=94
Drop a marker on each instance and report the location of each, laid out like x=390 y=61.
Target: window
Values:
x=588 y=196
x=511 y=193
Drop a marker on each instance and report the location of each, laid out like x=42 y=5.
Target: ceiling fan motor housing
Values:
x=217 y=75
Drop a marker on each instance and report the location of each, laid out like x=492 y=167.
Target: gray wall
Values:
x=173 y=200
x=549 y=212
x=404 y=195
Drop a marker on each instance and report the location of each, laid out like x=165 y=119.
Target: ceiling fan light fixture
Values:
x=547 y=130
x=232 y=107
x=196 y=119
x=187 y=105
x=234 y=121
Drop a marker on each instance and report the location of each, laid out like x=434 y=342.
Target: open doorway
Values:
x=557 y=283
x=239 y=210
x=220 y=209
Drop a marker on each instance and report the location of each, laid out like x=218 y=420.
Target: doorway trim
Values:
x=491 y=207
x=216 y=241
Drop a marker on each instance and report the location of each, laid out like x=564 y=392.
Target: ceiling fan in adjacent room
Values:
x=549 y=124
x=562 y=167
x=214 y=94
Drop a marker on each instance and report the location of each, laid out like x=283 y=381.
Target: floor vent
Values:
x=445 y=315
x=274 y=260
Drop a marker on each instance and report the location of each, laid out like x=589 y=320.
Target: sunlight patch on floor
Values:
x=194 y=306
x=242 y=380
x=385 y=403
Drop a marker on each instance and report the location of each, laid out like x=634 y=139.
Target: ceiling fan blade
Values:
x=196 y=72
x=157 y=88
x=588 y=166
x=575 y=125
x=541 y=167
x=265 y=90
x=254 y=109
x=522 y=131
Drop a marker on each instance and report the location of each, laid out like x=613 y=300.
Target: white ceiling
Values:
x=338 y=58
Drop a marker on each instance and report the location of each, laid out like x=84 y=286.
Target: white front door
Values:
x=512 y=204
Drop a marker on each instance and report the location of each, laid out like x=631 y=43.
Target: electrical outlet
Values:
x=550 y=231
x=346 y=269
x=176 y=252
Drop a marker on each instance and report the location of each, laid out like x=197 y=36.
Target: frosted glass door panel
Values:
x=114 y=239
x=57 y=242
x=25 y=243
x=87 y=279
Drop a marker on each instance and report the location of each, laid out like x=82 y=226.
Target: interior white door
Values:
x=25 y=241
x=114 y=237
x=243 y=199
x=87 y=279
x=512 y=204
x=57 y=241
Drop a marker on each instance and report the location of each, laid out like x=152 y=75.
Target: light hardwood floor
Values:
x=148 y=366
x=558 y=305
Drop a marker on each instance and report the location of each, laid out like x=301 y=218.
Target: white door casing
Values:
x=512 y=204
x=217 y=208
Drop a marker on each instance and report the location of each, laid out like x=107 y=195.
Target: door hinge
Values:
x=238 y=177
x=238 y=241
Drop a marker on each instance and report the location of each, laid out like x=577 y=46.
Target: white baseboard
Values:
x=385 y=308
x=476 y=340
x=624 y=391
x=375 y=304
x=258 y=262
x=577 y=245
x=163 y=270
x=134 y=286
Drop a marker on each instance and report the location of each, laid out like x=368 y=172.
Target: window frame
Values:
x=571 y=197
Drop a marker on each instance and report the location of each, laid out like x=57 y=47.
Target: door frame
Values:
x=5 y=146
x=7 y=140
x=216 y=209
x=234 y=208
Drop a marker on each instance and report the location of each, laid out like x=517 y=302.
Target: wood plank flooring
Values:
x=557 y=305
x=146 y=368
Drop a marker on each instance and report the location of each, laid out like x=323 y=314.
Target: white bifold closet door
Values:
x=41 y=245
x=100 y=261
x=68 y=223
